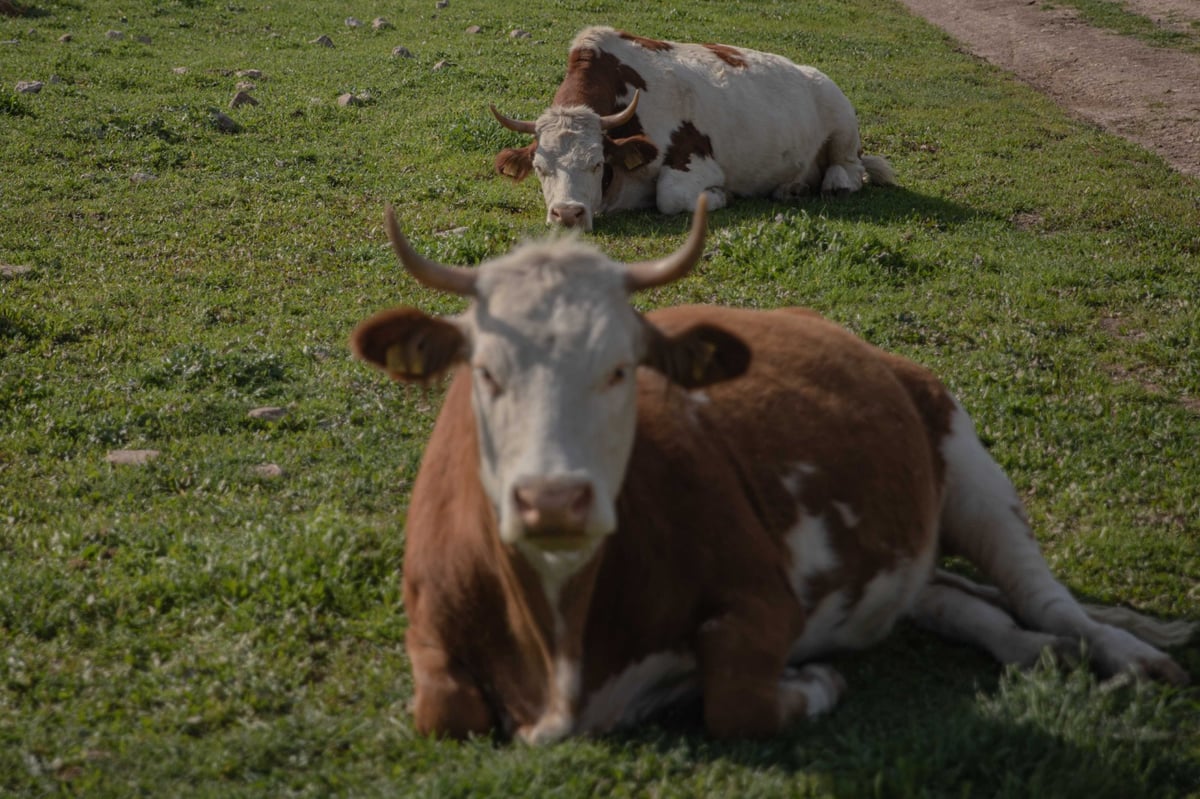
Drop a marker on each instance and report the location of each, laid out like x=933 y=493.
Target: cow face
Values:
x=571 y=155
x=553 y=345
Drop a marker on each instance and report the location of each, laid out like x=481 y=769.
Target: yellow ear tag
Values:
x=398 y=362
x=633 y=159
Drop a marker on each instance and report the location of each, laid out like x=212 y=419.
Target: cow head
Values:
x=553 y=345
x=571 y=152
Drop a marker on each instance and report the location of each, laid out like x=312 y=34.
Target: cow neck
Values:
x=548 y=618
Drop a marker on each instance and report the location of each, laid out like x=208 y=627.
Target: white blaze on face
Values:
x=569 y=164
x=554 y=355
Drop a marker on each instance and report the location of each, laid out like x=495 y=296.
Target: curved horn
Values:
x=454 y=279
x=648 y=274
x=512 y=124
x=623 y=116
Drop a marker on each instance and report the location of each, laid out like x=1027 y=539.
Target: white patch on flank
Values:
x=811 y=552
x=636 y=693
x=820 y=628
x=849 y=517
x=793 y=479
x=699 y=397
x=887 y=597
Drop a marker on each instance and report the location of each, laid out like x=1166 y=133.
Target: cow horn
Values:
x=453 y=279
x=623 y=116
x=513 y=124
x=648 y=274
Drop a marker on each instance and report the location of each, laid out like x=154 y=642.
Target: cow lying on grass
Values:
x=638 y=123
x=618 y=511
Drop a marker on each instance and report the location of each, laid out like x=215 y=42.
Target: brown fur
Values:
x=698 y=563
x=654 y=45
x=686 y=142
x=730 y=55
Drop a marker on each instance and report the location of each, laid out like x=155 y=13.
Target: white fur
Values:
x=767 y=122
x=636 y=693
x=550 y=325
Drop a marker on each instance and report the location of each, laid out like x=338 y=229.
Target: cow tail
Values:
x=879 y=171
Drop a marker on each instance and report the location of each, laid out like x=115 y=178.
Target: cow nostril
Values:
x=553 y=506
x=581 y=503
x=568 y=215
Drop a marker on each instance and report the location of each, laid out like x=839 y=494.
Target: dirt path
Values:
x=1149 y=95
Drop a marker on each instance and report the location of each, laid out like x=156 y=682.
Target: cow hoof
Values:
x=810 y=691
x=550 y=729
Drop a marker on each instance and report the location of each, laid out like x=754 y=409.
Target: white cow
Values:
x=639 y=122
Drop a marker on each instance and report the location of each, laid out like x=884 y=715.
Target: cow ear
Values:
x=515 y=163
x=697 y=357
x=632 y=152
x=408 y=344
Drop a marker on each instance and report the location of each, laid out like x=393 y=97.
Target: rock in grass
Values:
x=268 y=413
x=115 y=36
x=443 y=3
x=242 y=98
x=66 y=37
x=29 y=86
x=439 y=66
x=323 y=41
x=179 y=70
x=223 y=122
x=353 y=22
x=252 y=74
x=400 y=51
x=9 y=271
x=379 y=24
x=142 y=177
x=269 y=471
x=131 y=457
x=517 y=33
x=474 y=28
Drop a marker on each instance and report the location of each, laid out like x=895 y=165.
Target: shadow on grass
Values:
x=924 y=718
x=874 y=204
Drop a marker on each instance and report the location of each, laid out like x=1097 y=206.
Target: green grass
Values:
x=190 y=627
x=1117 y=17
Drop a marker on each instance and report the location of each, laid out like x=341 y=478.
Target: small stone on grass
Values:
x=379 y=24
x=474 y=28
x=131 y=457
x=400 y=51
x=10 y=271
x=323 y=41
x=116 y=36
x=269 y=471
x=29 y=86
x=242 y=98
x=269 y=413
x=142 y=177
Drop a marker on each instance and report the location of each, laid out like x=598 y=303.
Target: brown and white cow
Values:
x=618 y=511
x=638 y=123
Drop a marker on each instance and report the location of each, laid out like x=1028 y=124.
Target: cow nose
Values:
x=553 y=507
x=568 y=214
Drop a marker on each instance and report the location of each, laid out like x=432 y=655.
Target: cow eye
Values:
x=490 y=383
x=540 y=170
x=618 y=375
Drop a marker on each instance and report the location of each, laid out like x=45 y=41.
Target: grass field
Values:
x=201 y=626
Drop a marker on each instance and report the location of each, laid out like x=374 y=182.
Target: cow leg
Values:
x=844 y=172
x=678 y=189
x=965 y=616
x=447 y=701
x=983 y=519
x=746 y=691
